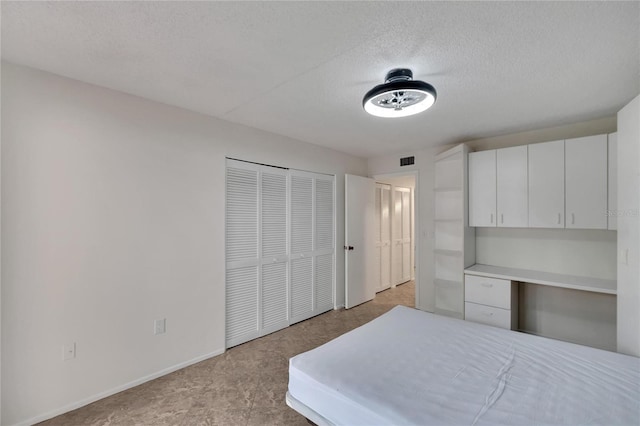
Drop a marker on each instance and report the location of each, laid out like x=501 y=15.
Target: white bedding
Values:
x=412 y=367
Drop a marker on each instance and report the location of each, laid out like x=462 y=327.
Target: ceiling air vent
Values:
x=407 y=161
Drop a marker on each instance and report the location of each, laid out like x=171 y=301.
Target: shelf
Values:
x=595 y=285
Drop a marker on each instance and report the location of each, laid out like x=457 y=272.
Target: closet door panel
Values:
x=241 y=305
x=323 y=282
x=324 y=214
x=396 y=245
x=301 y=288
x=241 y=252
x=274 y=215
x=324 y=243
x=385 y=238
x=274 y=297
x=406 y=236
x=241 y=215
x=301 y=214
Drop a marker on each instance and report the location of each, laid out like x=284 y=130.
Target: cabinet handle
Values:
x=501 y=217
x=559 y=218
x=487 y=285
x=491 y=217
x=573 y=218
x=489 y=314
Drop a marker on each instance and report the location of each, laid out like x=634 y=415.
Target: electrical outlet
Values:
x=160 y=326
x=68 y=351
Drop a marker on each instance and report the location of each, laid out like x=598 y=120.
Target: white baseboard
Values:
x=113 y=391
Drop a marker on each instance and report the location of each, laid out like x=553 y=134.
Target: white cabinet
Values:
x=560 y=184
x=546 y=185
x=586 y=182
x=498 y=187
x=612 y=193
x=511 y=184
x=482 y=188
x=491 y=301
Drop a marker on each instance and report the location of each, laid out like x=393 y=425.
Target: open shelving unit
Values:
x=454 y=247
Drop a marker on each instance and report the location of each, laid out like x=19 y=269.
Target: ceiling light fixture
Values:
x=399 y=96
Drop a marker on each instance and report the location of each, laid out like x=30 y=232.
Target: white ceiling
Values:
x=300 y=69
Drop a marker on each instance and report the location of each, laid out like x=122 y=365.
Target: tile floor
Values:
x=244 y=386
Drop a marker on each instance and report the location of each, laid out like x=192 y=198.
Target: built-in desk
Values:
x=574 y=282
x=491 y=292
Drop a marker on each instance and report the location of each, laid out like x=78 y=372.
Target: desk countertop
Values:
x=574 y=282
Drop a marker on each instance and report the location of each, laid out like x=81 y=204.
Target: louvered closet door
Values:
x=385 y=236
x=242 y=262
x=406 y=236
x=378 y=213
x=274 y=258
x=396 y=231
x=312 y=244
x=301 y=235
x=324 y=244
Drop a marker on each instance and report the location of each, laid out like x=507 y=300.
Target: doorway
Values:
x=395 y=233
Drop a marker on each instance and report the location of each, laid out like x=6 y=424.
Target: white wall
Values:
x=577 y=316
x=424 y=165
x=113 y=216
x=629 y=228
x=588 y=253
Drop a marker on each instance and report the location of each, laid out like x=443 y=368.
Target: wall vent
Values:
x=407 y=161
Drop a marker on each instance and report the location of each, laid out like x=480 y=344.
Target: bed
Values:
x=409 y=367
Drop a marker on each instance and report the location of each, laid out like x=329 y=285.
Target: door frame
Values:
x=417 y=231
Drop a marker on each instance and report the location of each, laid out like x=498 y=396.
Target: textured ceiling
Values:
x=300 y=69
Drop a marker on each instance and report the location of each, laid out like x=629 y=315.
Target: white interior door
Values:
x=359 y=240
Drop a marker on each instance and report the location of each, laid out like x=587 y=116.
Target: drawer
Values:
x=487 y=315
x=487 y=291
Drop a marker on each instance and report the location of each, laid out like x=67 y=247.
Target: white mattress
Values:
x=412 y=367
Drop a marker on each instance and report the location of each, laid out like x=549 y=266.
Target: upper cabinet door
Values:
x=546 y=185
x=612 y=203
x=482 y=188
x=586 y=182
x=512 y=187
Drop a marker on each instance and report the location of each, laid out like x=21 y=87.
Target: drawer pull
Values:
x=489 y=314
x=487 y=285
